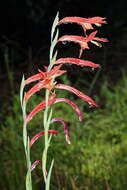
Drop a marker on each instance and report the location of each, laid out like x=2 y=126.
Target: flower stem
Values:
x=47 y=115
x=46 y=127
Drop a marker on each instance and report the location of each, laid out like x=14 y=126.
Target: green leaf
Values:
x=21 y=90
x=28 y=153
x=44 y=156
x=49 y=176
x=28 y=180
x=24 y=110
x=49 y=117
x=54 y=42
x=25 y=138
x=56 y=20
x=54 y=57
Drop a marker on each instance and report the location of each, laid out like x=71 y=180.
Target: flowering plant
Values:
x=47 y=80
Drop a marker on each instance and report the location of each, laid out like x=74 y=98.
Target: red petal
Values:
x=43 y=74
x=55 y=72
x=73 y=19
x=78 y=20
x=97 y=20
x=37 y=136
x=40 y=107
x=86 y=23
x=46 y=68
x=40 y=75
x=76 y=61
x=92 y=37
x=74 y=106
x=83 y=41
x=34 y=89
x=73 y=38
x=33 y=78
x=37 y=162
x=65 y=124
x=101 y=39
x=76 y=39
x=78 y=93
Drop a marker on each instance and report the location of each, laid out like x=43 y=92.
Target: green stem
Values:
x=47 y=116
x=46 y=127
x=26 y=138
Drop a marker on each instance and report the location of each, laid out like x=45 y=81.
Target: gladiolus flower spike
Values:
x=46 y=80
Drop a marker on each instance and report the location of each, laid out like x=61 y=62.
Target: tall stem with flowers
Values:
x=47 y=80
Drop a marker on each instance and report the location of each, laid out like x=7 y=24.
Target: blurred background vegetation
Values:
x=97 y=156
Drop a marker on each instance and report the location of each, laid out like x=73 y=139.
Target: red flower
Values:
x=86 y=23
x=78 y=93
x=37 y=136
x=38 y=76
x=73 y=105
x=37 y=87
x=40 y=106
x=66 y=131
x=54 y=100
x=76 y=61
x=83 y=41
x=47 y=80
x=34 y=164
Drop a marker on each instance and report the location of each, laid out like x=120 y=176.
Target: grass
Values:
x=97 y=157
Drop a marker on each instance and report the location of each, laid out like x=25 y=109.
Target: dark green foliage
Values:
x=97 y=157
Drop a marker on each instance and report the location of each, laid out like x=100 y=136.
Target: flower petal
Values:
x=78 y=20
x=33 y=78
x=73 y=38
x=34 y=164
x=101 y=39
x=55 y=72
x=83 y=41
x=86 y=23
x=37 y=87
x=66 y=131
x=40 y=107
x=37 y=136
x=74 y=106
x=76 y=61
x=91 y=36
x=97 y=20
x=45 y=83
x=78 y=93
